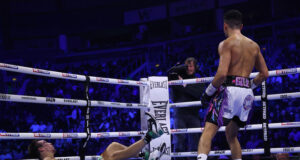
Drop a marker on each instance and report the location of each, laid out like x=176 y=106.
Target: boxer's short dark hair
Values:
x=33 y=149
x=233 y=18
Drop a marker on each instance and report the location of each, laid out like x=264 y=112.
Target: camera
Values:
x=177 y=70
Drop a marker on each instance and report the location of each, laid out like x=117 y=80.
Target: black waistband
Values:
x=237 y=81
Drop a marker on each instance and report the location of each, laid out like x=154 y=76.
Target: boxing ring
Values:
x=146 y=104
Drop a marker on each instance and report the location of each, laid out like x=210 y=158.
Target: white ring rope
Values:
x=69 y=102
x=73 y=158
x=211 y=153
x=244 y=152
x=132 y=133
x=76 y=77
x=41 y=72
x=252 y=75
x=77 y=158
x=118 y=105
x=118 y=134
x=257 y=98
x=43 y=135
x=280 y=96
x=247 y=127
x=54 y=74
x=70 y=135
x=186 y=104
x=117 y=81
x=41 y=100
x=62 y=101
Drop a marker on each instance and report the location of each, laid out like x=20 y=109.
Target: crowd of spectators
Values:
x=20 y=117
x=37 y=118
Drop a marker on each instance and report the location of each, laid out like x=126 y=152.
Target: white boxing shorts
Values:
x=232 y=102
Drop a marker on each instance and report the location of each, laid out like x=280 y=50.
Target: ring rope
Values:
x=244 y=152
x=61 y=75
x=77 y=158
x=54 y=74
x=257 y=98
x=69 y=102
x=247 y=127
x=252 y=75
x=72 y=158
x=62 y=101
x=41 y=72
x=279 y=96
x=211 y=153
x=6 y=136
x=132 y=133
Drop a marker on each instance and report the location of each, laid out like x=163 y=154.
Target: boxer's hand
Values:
x=252 y=84
x=205 y=99
x=209 y=93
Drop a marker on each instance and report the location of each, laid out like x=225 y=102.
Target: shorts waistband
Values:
x=237 y=81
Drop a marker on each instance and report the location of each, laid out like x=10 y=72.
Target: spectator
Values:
x=186 y=117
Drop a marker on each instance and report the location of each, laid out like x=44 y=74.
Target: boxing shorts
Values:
x=232 y=102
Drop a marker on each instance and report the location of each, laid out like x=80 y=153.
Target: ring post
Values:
x=144 y=99
x=265 y=119
x=160 y=108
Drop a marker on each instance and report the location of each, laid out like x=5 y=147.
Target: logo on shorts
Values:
x=248 y=102
x=241 y=81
